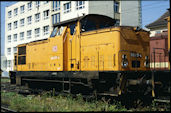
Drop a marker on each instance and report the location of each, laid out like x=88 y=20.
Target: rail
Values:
x=162 y=100
x=4 y=109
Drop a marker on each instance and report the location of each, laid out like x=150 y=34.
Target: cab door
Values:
x=56 y=51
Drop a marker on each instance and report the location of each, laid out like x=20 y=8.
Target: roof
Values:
x=63 y=23
x=160 y=22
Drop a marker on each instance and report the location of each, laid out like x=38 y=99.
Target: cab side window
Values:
x=88 y=25
x=72 y=28
x=91 y=25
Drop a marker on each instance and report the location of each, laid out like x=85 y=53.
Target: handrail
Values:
x=65 y=38
x=73 y=35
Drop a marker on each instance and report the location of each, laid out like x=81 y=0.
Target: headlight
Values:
x=146 y=63
x=124 y=56
x=124 y=63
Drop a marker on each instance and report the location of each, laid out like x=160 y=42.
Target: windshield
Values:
x=54 y=32
x=57 y=31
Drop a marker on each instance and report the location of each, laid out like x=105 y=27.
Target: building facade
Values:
x=159 y=51
x=159 y=56
x=33 y=20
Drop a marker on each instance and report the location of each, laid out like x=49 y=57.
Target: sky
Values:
x=151 y=10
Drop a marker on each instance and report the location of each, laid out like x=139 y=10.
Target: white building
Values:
x=33 y=20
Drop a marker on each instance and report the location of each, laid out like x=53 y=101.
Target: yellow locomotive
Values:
x=87 y=52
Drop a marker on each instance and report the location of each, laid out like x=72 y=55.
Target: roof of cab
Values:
x=63 y=23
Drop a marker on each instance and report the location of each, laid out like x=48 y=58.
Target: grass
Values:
x=60 y=103
x=47 y=103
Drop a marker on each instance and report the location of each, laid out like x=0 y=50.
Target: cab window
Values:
x=72 y=28
x=54 y=32
x=57 y=31
x=88 y=25
x=92 y=23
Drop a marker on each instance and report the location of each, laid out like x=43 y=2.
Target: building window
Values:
x=37 y=17
x=15 y=37
x=56 y=18
x=8 y=63
x=15 y=50
x=9 y=51
x=37 y=3
x=9 y=38
x=29 y=5
x=29 y=19
x=46 y=14
x=9 y=26
x=15 y=24
x=22 y=22
x=56 y=5
x=116 y=6
x=9 y=14
x=45 y=30
x=45 y=2
x=67 y=7
x=22 y=9
x=15 y=11
x=80 y=4
x=29 y=34
x=37 y=32
x=22 y=36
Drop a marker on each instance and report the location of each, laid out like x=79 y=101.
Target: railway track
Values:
x=5 y=109
x=7 y=87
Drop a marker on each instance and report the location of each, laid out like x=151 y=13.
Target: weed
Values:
x=50 y=103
